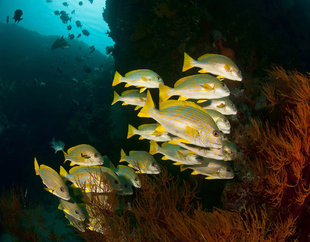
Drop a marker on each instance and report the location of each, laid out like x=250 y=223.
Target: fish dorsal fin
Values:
x=42 y=166
x=175 y=103
x=134 y=71
x=177 y=163
x=208 y=55
x=180 y=81
x=128 y=85
x=130 y=91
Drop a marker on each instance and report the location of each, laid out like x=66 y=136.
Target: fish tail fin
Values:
x=117 y=79
x=36 y=166
x=131 y=131
x=115 y=98
x=65 y=155
x=122 y=155
x=188 y=62
x=163 y=92
x=153 y=147
x=63 y=172
x=144 y=112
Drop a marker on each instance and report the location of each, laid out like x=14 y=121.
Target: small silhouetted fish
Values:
x=73 y=11
x=92 y=49
x=80 y=3
x=71 y=36
x=91 y=1
x=85 y=32
x=78 y=23
x=65 y=4
x=7 y=19
x=64 y=17
x=69 y=27
x=60 y=43
x=87 y=69
x=17 y=15
x=79 y=35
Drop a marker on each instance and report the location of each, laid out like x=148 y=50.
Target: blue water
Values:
x=38 y=15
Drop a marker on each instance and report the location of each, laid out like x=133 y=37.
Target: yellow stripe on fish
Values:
x=53 y=181
x=185 y=120
x=83 y=154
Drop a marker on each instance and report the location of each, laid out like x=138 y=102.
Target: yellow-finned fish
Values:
x=223 y=105
x=221 y=121
x=201 y=86
x=141 y=161
x=72 y=209
x=143 y=78
x=211 y=153
x=83 y=154
x=129 y=173
x=126 y=186
x=175 y=153
x=52 y=180
x=219 y=65
x=92 y=178
x=185 y=120
x=147 y=131
x=131 y=97
x=75 y=222
x=212 y=169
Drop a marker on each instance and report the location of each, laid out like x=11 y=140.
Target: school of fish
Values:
x=191 y=121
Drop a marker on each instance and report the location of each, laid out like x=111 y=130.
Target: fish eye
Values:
x=62 y=189
x=215 y=133
x=223 y=84
x=199 y=158
x=153 y=164
x=96 y=155
x=85 y=156
x=136 y=179
x=76 y=212
x=116 y=181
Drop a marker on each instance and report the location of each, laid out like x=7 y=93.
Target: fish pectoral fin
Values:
x=194 y=173
x=130 y=165
x=202 y=71
x=72 y=164
x=220 y=77
x=207 y=86
x=221 y=105
x=142 y=89
x=227 y=67
x=202 y=100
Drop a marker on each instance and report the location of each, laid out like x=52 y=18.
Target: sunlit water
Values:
x=38 y=15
